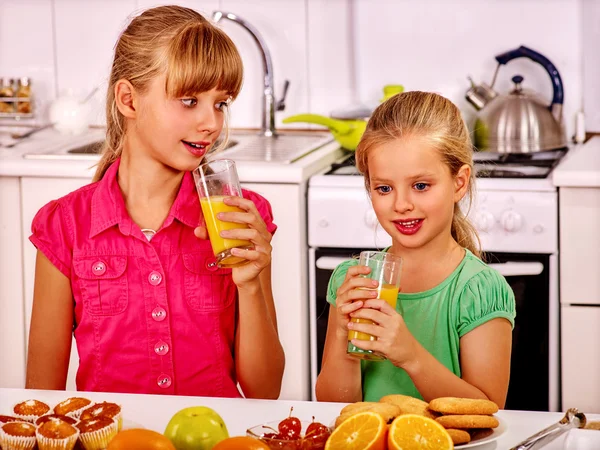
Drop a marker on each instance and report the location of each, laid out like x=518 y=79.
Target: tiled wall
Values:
x=334 y=52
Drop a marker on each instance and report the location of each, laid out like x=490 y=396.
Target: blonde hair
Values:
x=175 y=41
x=438 y=120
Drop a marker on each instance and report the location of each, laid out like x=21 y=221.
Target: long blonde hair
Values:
x=175 y=41
x=439 y=121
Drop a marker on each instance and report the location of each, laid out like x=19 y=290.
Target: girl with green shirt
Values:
x=450 y=334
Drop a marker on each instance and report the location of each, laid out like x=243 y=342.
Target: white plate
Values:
x=127 y=424
x=496 y=433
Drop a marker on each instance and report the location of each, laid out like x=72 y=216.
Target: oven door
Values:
x=534 y=371
x=534 y=362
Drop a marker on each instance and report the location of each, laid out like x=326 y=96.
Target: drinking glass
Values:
x=216 y=180
x=385 y=268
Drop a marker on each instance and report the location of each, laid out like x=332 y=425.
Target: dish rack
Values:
x=16 y=100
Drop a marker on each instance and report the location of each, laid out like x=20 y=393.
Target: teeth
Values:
x=194 y=145
x=410 y=223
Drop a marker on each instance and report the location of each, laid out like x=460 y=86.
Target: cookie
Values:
x=454 y=405
x=409 y=405
x=459 y=436
x=468 y=421
x=387 y=411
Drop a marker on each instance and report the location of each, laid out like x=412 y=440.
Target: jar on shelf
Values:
x=24 y=96
x=6 y=94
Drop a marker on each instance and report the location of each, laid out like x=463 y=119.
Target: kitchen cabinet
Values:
x=580 y=296
x=289 y=274
x=12 y=338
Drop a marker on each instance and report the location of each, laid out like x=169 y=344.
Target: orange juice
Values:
x=211 y=206
x=387 y=292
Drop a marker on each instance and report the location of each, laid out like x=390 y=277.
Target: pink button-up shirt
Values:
x=156 y=316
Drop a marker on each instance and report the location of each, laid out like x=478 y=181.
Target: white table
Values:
x=154 y=412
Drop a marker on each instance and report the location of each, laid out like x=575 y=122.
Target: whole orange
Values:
x=241 y=443
x=140 y=439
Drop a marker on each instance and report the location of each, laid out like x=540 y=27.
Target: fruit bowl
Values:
x=269 y=434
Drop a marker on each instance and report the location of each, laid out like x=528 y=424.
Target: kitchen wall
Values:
x=334 y=52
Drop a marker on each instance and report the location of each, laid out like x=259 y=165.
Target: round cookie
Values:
x=468 y=421
x=387 y=411
x=409 y=405
x=356 y=407
x=459 y=436
x=454 y=405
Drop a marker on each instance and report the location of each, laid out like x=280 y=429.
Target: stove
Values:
x=515 y=211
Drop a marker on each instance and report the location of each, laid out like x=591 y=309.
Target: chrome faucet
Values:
x=269 y=105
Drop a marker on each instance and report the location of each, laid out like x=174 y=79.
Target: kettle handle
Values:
x=522 y=51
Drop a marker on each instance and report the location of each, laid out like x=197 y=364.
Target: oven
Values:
x=517 y=222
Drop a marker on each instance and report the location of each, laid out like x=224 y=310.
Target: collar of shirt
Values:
x=108 y=206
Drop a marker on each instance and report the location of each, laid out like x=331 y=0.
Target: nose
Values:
x=209 y=119
x=403 y=202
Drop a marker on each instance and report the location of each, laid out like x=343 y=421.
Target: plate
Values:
x=493 y=436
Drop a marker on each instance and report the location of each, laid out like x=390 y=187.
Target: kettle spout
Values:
x=480 y=95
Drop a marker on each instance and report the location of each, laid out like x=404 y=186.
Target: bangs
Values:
x=201 y=57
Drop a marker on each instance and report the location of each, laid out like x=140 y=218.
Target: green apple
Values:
x=196 y=428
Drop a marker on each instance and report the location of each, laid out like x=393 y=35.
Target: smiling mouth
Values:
x=409 y=223
x=196 y=145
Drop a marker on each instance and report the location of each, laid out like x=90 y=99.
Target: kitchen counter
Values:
x=13 y=163
x=154 y=412
x=580 y=167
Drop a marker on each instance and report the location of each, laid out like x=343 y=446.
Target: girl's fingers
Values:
x=350 y=307
x=369 y=313
x=251 y=216
x=200 y=232
x=246 y=234
x=380 y=305
x=366 y=345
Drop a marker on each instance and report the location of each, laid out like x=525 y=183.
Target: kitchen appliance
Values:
x=516 y=214
x=347 y=125
x=518 y=122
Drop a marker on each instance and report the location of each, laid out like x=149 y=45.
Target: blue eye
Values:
x=221 y=106
x=383 y=189
x=420 y=186
x=189 y=102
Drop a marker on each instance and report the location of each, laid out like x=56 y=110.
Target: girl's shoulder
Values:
x=482 y=294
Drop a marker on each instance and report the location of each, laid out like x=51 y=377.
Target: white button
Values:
x=538 y=229
x=163 y=381
x=159 y=314
x=154 y=278
x=161 y=348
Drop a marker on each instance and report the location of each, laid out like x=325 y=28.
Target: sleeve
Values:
x=337 y=278
x=486 y=296
x=264 y=208
x=52 y=236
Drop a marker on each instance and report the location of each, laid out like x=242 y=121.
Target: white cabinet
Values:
x=12 y=339
x=289 y=274
x=35 y=193
x=580 y=297
x=581 y=358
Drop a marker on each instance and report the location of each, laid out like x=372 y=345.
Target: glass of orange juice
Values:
x=385 y=268
x=216 y=180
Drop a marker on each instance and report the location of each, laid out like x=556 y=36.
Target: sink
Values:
x=285 y=148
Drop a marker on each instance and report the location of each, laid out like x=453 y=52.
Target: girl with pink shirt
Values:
x=125 y=264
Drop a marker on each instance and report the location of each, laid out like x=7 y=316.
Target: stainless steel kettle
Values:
x=520 y=121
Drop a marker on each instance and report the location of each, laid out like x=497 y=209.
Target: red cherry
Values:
x=290 y=427
x=316 y=436
x=316 y=428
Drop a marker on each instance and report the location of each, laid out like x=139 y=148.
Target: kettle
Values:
x=520 y=121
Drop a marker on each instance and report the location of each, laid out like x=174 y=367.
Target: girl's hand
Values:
x=260 y=256
x=394 y=340
x=350 y=299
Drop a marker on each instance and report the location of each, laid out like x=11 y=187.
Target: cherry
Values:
x=316 y=428
x=316 y=436
x=290 y=427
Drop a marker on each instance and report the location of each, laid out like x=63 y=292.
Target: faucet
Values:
x=269 y=106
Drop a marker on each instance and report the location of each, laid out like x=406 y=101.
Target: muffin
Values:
x=95 y=433
x=106 y=409
x=72 y=406
x=46 y=417
x=30 y=410
x=17 y=436
x=56 y=434
x=6 y=419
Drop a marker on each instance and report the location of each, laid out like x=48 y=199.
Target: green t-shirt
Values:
x=473 y=294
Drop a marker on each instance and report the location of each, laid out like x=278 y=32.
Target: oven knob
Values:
x=323 y=223
x=511 y=221
x=371 y=219
x=484 y=221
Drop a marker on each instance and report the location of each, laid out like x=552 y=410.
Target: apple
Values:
x=196 y=428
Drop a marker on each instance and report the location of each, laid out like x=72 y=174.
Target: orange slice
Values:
x=413 y=432
x=363 y=431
